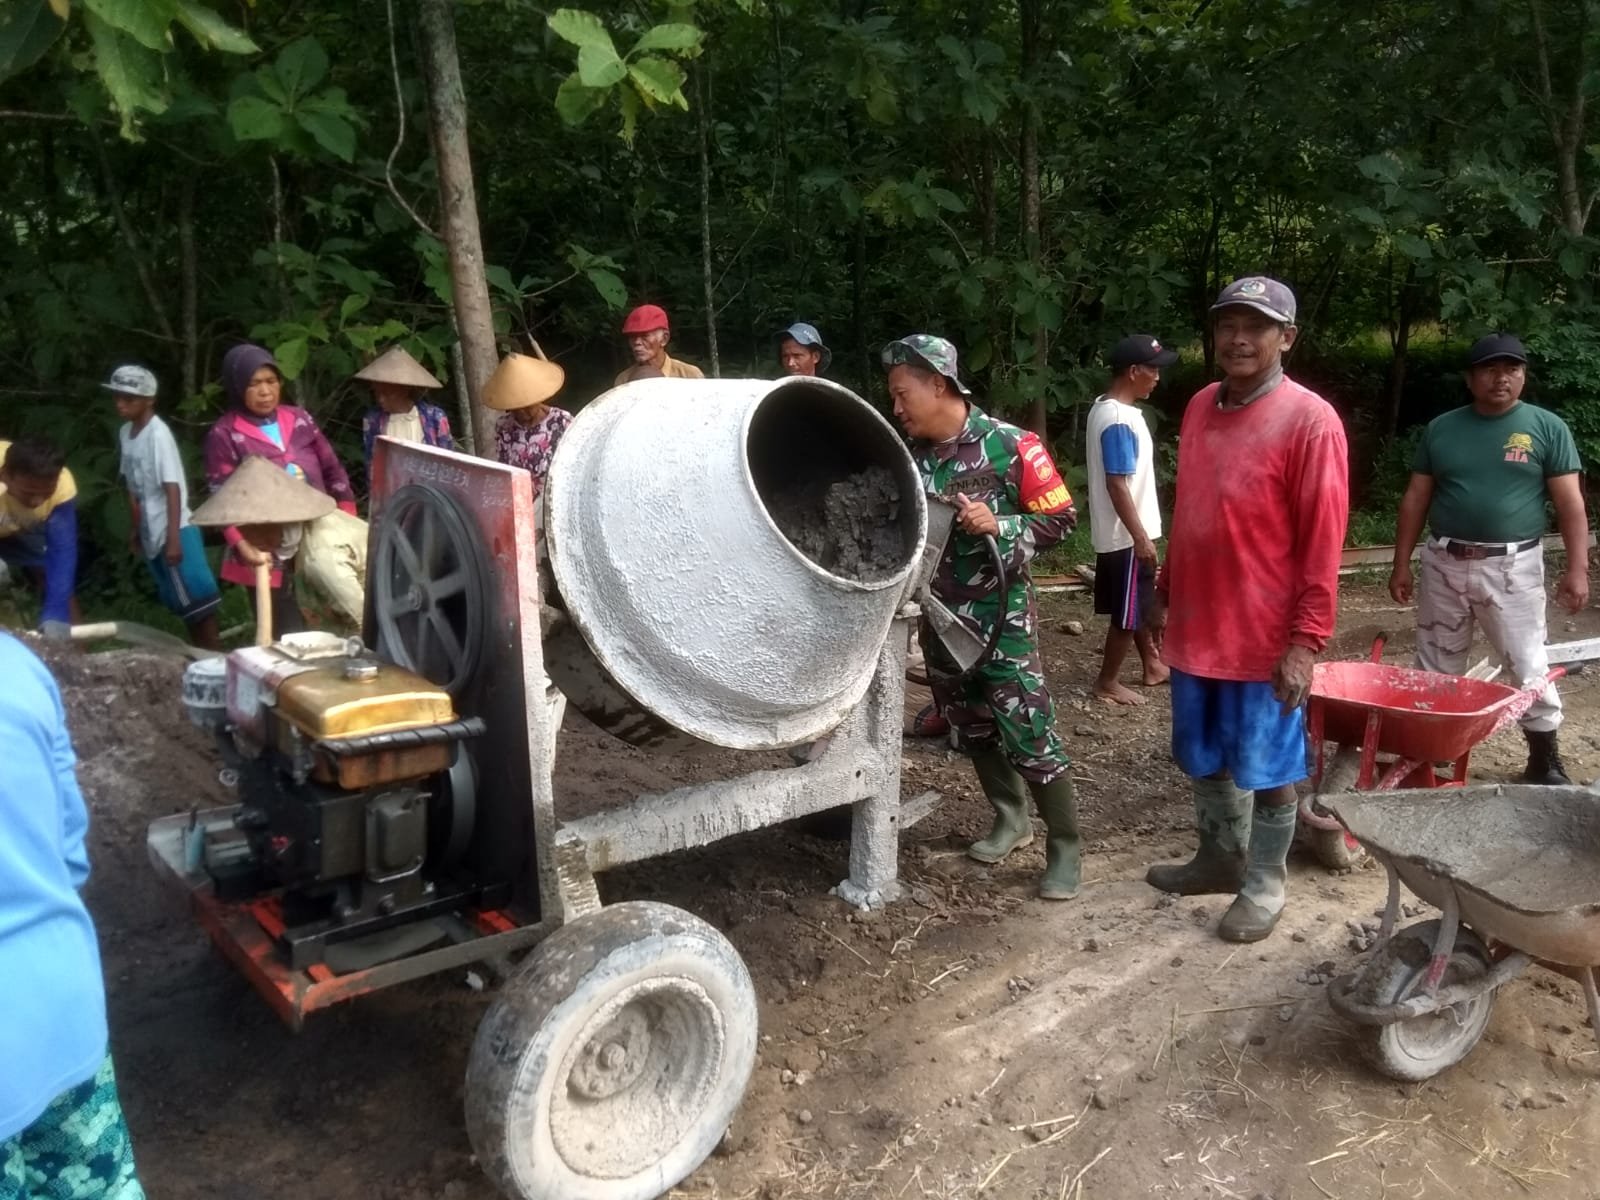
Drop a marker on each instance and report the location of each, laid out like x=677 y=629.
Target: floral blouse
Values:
x=530 y=447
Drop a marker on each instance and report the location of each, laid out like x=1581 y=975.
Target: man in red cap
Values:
x=648 y=331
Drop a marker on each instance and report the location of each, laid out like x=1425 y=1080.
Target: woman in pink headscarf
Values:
x=259 y=423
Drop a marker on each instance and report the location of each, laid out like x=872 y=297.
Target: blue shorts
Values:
x=188 y=589
x=1220 y=724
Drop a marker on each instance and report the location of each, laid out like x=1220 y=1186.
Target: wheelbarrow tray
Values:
x=1426 y=716
x=1523 y=862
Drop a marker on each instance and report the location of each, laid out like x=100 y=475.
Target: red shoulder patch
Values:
x=1041 y=488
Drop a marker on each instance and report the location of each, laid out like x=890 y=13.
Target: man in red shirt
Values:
x=1249 y=592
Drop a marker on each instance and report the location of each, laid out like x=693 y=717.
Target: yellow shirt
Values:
x=16 y=519
x=670 y=367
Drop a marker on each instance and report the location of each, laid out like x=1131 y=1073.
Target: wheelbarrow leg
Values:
x=1391 y=906
x=1391 y=917
x=1592 y=996
x=1444 y=945
x=1369 y=751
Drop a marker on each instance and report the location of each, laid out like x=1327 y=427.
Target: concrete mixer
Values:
x=732 y=562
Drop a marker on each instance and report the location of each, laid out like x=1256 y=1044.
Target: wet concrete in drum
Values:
x=850 y=527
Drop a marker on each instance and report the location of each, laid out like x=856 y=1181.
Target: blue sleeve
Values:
x=369 y=432
x=60 y=561
x=74 y=815
x=1119 y=450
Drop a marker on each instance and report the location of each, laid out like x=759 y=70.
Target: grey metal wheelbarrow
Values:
x=1515 y=872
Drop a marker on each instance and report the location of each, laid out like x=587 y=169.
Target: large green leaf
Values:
x=301 y=66
x=498 y=278
x=630 y=104
x=672 y=37
x=291 y=356
x=332 y=132
x=611 y=288
x=130 y=72
x=211 y=31
x=145 y=21
x=575 y=103
x=27 y=29
x=579 y=27
x=599 y=66
x=255 y=119
x=659 y=79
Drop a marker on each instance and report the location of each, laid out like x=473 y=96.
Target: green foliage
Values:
x=865 y=173
x=641 y=77
x=283 y=106
x=1566 y=376
x=128 y=41
x=27 y=30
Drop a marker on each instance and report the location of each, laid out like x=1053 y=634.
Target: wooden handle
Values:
x=264 y=603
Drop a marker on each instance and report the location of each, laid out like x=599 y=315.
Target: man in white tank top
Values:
x=1124 y=516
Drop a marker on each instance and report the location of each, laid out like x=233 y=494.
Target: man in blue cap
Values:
x=801 y=352
x=1481 y=476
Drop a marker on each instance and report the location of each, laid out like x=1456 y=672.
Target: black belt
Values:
x=1457 y=549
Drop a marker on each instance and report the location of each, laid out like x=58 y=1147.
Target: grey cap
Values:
x=1260 y=293
x=130 y=380
x=806 y=334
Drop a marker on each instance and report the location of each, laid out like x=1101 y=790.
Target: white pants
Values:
x=1505 y=596
x=333 y=559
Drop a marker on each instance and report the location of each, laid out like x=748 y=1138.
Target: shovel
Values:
x=264 y=603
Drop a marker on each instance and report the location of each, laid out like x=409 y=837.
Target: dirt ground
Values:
x=969 y=1042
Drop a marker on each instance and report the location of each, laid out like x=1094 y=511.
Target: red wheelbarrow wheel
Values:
x=1422 y=1047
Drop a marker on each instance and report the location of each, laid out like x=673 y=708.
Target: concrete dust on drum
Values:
x=850 y=527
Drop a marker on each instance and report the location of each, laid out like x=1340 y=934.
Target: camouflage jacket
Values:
x=1009 y=470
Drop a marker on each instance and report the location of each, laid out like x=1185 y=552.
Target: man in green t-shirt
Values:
x=1481 y=476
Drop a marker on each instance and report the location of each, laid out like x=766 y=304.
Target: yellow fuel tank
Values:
x=346 y=698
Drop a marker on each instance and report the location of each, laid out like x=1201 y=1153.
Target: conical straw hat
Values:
x=521 y=380
x=394 y=365
x=258 y=493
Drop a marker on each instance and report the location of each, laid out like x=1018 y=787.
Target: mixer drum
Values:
x=733 y=551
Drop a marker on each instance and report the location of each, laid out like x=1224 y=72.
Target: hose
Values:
x=1003 y=587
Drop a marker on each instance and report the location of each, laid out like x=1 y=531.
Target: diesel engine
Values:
x=358 y=797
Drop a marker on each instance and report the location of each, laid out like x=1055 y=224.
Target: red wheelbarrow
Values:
x=1395 y=727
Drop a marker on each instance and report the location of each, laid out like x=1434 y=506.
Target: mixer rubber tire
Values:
x=1423 y=1047
x=611 y=1063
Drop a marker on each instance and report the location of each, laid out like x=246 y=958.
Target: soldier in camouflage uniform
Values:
x=1003 y=484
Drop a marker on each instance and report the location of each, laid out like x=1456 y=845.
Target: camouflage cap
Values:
x=924 y=350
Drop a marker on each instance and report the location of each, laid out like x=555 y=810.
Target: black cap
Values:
x=1140 y=350
x=1496 y=345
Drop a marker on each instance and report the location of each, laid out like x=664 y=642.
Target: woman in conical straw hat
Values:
x=259 y=424
x=526 y=436
x=268 y=508
x=397 y=381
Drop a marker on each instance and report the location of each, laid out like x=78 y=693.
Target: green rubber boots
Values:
x=1013 y=827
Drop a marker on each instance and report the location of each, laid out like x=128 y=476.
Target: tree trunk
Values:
x=189 y=269
x=703 y=120
x=458 y=201
x=1565 y=115
x=1405 y=305
x=1032 y=231
x=130 y=239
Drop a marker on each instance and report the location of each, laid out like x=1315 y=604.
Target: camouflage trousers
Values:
x=78 y=1149
x=1005 y=703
